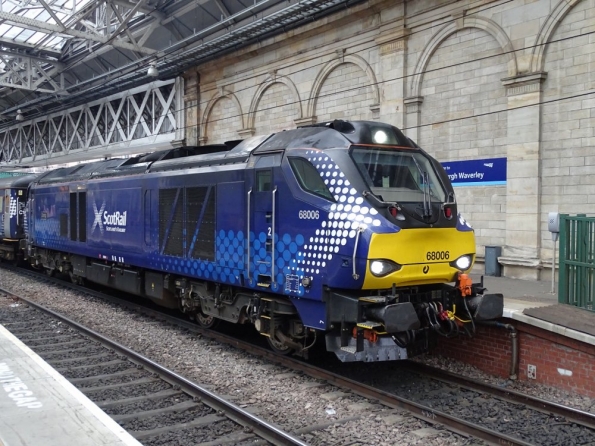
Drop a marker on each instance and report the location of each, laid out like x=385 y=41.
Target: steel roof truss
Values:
x=116 y=118
x=124 y=22
x=46 y=147
x=30 y=144
x=166 y=110
x=139 y=115
x=126 y=30
x=52 y=13
x=57 y=138
x=94 y=128
x=31 y=73
x=12 y=136
x=74 y=129
x=51 y=28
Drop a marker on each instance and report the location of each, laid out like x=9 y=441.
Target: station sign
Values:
x=481 y=172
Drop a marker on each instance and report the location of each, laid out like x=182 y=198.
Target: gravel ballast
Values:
x=292 y=401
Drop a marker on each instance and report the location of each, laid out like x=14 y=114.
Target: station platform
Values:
x=532 y=303
x=39 y=407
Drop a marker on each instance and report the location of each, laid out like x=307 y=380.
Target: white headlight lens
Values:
x=380 y=137
x=463 y=263
x=377 y=267
x=382 y=268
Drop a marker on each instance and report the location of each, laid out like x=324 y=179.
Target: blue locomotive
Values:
x=346 y=230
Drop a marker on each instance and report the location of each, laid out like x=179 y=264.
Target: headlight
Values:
x=380 y=137
x=381 y=268
x=462 y=263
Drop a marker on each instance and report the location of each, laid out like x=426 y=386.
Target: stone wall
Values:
x=466 y=79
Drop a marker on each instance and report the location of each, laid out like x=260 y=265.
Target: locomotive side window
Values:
x=309 y=178
x=264 y=179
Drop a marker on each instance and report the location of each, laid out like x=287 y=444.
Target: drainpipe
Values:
x=514 y=343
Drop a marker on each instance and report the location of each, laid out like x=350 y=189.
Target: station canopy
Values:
x=57 y=54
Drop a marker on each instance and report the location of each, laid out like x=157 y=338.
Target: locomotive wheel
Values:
x=205 y=320
x=50 y=272
x=279 y=347
x=77 y=280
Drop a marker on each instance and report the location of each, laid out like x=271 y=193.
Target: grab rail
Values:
x=248 y=237
x=359 y=231
x=273 y=238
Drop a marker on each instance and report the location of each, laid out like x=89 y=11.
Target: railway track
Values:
x=534 y=419
x=151 y=402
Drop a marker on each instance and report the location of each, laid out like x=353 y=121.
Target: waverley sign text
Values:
x=482 y=172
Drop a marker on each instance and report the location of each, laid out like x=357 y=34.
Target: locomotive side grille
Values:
x=63 y=225
x=201 y=222
x=171 y=223
x=82 y=216
x=73 y=217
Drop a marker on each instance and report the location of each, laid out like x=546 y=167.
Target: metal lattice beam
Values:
x=145 y=115
x=31 y=73
x=38 y=25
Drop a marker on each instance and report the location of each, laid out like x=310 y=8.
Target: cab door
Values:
x=263 y=204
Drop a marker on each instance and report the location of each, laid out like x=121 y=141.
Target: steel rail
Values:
x=258 y=426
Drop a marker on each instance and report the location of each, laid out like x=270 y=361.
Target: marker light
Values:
x=382 y=267
x=395 y=213
x=380 y=137
x=462 y=263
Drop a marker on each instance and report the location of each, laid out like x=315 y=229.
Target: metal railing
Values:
x=576 y=281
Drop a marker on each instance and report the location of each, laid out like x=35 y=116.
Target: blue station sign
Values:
x=482 y=172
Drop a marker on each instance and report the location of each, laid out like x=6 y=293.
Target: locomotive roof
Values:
x=336 y=134
x=20 y=181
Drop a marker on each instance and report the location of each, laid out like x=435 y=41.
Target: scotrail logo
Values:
x=114 y=222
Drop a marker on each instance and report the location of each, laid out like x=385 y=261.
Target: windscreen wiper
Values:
x=426 y=183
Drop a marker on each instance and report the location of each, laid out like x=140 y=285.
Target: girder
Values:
x=143 y=116
x=38 y=25
x=121 y=38
x=31 y=73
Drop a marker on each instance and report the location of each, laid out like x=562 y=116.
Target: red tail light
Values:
x=448 y=213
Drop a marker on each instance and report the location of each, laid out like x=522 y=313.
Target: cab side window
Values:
x=263 y=180
x=309 y=178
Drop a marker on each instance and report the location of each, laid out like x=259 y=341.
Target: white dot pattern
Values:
x=346 y=217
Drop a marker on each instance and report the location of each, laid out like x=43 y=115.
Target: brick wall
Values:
x=560 y=362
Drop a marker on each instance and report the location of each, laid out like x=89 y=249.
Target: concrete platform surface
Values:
x=39 y=407
x=521 y=296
